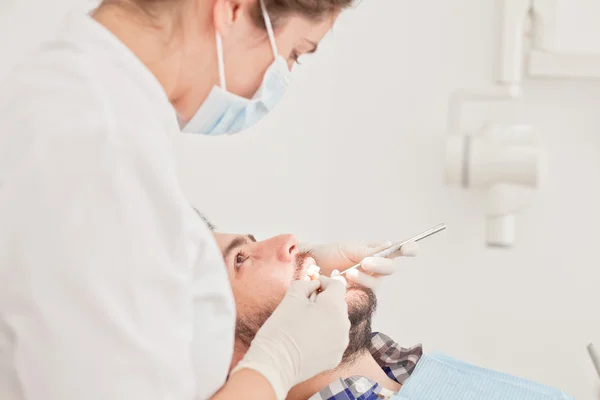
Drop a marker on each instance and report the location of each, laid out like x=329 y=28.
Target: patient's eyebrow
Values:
x=237 y=242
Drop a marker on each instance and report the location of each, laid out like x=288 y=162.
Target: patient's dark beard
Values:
x=247 y=326
x=362 y=304
x=361 y=307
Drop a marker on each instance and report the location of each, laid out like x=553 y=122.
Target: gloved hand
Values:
x=340 y=256
x=301 y=339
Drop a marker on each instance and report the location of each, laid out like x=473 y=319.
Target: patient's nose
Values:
x=286 y=247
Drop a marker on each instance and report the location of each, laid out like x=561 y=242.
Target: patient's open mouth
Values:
x=304 y=263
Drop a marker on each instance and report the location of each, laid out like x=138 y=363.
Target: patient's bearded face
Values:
x=260 y=274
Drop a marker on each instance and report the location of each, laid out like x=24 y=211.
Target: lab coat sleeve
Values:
x=102 y=306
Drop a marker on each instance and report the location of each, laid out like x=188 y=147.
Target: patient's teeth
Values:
x=313 y=271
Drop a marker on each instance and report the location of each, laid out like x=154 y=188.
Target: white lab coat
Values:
x=111 y=286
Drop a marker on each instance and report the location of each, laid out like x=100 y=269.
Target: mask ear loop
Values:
x=220 y=61
x=269 y=27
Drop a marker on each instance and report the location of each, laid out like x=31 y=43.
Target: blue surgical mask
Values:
x=224 y=112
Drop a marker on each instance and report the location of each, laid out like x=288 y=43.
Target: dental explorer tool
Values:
x=396 y=247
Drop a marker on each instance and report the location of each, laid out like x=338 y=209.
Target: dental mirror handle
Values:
x=396 y=247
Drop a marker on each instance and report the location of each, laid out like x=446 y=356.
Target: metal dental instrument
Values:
x=396 y=247
x=595 y=357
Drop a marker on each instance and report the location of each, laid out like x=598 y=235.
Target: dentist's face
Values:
x=247 y=51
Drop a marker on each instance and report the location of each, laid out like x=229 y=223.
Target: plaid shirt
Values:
x=398 y=363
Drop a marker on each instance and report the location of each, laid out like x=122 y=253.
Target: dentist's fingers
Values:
x=335 y=274
x=331 y=289
x=366 y=249
x=378 y=265
x=364 y=279
x=304 y=289
x=410 y=249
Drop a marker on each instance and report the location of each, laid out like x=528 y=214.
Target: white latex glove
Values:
x=340 y=256
x=301 y=339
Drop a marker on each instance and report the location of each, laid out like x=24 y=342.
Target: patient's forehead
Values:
x=223 y=239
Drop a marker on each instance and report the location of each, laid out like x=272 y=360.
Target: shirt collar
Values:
x=397 y=362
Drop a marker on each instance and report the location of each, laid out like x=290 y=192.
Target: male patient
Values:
x=373 y=366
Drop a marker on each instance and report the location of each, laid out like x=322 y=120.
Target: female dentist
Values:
x=111 y=287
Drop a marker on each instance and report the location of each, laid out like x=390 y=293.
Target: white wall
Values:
x=356 y=151
x=577 y=26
